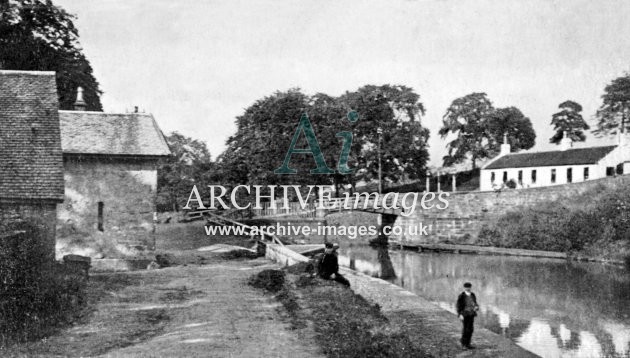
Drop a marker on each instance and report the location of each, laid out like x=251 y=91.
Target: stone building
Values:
x=31 y=163
x=110 y=165
x=567 y=165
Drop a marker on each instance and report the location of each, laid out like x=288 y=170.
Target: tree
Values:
x=262 y=139
x=466 y=117
x=265 y=130
x=613 y=113
x=331 y=117
x=189 y=164
x=511 y=121
x=569 y=120
x=36 y=35
x=395 y=110
x=480 y=129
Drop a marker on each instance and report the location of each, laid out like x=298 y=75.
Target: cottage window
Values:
x=100 y=216
x=553 y=176
x=520 y=177
x=534 y=176
x=569 y=175
x=610 y=171
x=492 y=177
x=586 y=173
x=505 y=177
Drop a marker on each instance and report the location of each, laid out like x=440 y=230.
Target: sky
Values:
x=196 y=65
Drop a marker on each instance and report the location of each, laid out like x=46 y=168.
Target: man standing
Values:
x=328 y=265
x=467 y=308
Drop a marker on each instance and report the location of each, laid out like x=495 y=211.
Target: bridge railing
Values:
x=293 y=209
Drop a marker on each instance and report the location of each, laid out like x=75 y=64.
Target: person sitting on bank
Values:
x=328 y=265
x=467 y=308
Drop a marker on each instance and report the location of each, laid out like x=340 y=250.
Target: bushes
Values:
x=32 y=309
x=36 y=295
x=591 y=222
x=270 y=280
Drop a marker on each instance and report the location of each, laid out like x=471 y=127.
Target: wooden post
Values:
x=438 y=182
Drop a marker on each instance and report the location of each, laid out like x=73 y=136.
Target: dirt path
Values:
x=188 y=311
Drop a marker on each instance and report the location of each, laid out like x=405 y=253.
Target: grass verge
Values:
x=345 y=324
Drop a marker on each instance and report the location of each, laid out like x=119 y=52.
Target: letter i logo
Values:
x=304 y=126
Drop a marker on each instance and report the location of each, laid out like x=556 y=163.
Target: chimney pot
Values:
x=566 y=142
x=79 y=104
x=505 y=147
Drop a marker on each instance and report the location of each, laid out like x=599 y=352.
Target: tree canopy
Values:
x=510 y=121
x=479 y=129
x=36 y=35
x=190 y=164
x=613 y=113
x=569 y=120
x=265 y=130
x=465 y=117
x=396 y=111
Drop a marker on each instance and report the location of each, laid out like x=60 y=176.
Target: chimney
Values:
x=505 y=147
x=566 y=142
x=79 y=104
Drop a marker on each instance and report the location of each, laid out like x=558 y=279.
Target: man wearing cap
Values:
x=467 y=308
x=328 y=265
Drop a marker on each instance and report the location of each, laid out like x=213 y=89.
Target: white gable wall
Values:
x=615 y=157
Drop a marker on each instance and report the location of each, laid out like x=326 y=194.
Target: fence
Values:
x=293 y=209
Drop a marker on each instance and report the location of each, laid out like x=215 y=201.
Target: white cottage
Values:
x=567 y=165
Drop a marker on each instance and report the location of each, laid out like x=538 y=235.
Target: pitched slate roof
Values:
x=578 y=156
x=100 y=133
x=31 y=162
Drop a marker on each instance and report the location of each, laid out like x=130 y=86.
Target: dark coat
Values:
x=328 y=265
x=461 y=304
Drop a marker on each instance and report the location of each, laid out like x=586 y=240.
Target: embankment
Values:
x=468 y=212
x=402 y=307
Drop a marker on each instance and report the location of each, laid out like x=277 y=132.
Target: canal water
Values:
x=553 y=308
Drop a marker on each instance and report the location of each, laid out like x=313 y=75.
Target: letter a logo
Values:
x=313 y=149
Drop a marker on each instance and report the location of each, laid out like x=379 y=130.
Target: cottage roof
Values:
x=31 y=161
x=577 y=156
x=100 y=133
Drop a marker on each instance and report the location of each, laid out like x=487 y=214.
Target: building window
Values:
x=505 y=177
x=492 y=177
x=610 y=171
x=586 y=173
x=100 y=216
x=553 y=176
x=534 y=176
x=520 y=177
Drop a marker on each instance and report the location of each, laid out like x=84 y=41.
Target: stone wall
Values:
x=123 y=191
x=467 y=212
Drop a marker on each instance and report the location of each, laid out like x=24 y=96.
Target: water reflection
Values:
x=550 y=307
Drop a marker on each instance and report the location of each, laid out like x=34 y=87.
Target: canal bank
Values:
x=552 y=307
x=404 y=308
x=491 y=250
